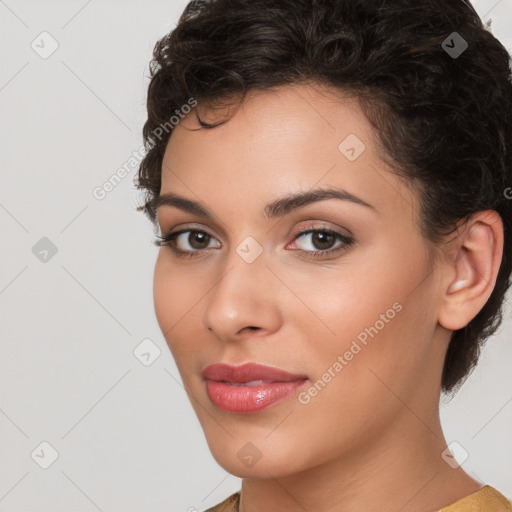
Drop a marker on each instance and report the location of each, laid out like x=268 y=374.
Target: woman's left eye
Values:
x=320 y=239
x=323 y=239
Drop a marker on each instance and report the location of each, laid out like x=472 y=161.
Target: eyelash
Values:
x=170 y=240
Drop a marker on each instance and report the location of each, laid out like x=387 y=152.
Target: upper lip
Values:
x=248 y=372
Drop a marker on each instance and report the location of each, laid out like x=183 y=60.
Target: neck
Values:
x=401 y=470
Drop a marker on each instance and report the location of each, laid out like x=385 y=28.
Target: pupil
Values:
x=194 y=236
x=325 y=240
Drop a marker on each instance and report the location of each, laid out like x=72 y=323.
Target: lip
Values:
x=247 y=372
x=231 y=388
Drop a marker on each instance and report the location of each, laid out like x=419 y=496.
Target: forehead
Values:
x=281 y=141
x=278 y=119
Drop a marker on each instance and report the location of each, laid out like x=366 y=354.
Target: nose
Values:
x=243 y=300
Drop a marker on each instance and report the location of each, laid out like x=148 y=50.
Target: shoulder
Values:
x=230 y=504
x=484 y=500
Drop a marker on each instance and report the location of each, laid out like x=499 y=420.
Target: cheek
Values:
x=175 y=293
x=342 y=302
x=163 y=296
x=367 y=314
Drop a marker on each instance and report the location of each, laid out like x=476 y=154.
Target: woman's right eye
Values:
x=178 y=240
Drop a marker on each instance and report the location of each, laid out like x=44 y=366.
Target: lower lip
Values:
x=247 y=399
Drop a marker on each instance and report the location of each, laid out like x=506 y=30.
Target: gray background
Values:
x=125 y=433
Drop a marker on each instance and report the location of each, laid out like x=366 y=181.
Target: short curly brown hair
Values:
x=444 y=120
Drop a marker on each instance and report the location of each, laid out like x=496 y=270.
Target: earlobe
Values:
x=476 y=268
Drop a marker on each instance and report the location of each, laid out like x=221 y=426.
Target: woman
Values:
x=329 y=178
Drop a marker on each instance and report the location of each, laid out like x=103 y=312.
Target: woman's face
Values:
x=354 y=311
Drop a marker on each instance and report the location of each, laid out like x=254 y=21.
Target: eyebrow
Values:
x=277 y=208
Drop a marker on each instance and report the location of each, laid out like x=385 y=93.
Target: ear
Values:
x=471 y=269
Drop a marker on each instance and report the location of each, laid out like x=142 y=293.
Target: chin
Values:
x=247 y=456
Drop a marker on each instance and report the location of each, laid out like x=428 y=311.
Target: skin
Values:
x=371 y=439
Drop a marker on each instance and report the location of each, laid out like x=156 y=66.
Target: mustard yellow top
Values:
x=487 y=499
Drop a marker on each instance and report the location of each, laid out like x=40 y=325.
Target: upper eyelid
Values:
x=220 y=227
x=199 y=227
x=301 y=230
x=180 y=230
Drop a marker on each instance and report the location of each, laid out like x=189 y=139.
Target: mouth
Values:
x=250 y=383
x=250 y=387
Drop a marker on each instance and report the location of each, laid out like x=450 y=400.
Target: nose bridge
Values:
x=241 y=297
x=246 y=261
